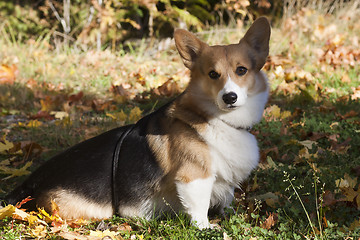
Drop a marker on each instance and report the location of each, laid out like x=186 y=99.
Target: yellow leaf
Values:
x=14 y=172
x=304 y=153
x=7 y=211
x=45 y=105
x=135 y=114
x=285 y=114
x=106 y=233
x=64 y=122
x=39 y=231
x=32 y=219
x=5 y=145
x=346 y=182
x=120 y=116
x=44 y=215
x=275 y=111
x=34 y=124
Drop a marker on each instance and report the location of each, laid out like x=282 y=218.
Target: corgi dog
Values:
x=188 y=156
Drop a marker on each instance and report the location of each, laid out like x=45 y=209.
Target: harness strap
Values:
x=115 y=165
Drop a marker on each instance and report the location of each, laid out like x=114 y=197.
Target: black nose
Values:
x=229 y=98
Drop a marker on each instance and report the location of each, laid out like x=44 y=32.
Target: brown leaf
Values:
x=122 y=90
x=31 y=149
x=270 y=221
x=314 y=136
x=168 y=89
x=329 y=198
x=341 y=147
x=42 y=115
x=76 y=97
x=125 y=227
x=349 y=114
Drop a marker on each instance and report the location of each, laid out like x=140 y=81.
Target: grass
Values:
x=306 y=186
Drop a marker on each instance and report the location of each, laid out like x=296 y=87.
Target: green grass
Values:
x=296 y=182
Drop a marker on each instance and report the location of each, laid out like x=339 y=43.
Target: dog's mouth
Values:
x=231 y=106
x=228 y=107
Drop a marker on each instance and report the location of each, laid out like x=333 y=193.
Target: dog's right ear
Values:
x=188 y=46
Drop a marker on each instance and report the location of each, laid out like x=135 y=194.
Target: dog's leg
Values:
x=195 y=198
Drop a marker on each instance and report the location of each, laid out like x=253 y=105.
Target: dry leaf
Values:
x=7 y=211
x=14 y=172
x=8 y=74
x=270 y=221
x=102 y=234
x=5 y=145
x=135 y=114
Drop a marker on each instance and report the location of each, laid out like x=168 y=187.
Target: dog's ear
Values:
x=188 y=46
x=257 y=37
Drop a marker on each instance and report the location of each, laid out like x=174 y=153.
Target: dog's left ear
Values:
x=188 y=46
x=257 y=38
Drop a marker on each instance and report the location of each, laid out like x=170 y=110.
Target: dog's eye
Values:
x=241 y=71
x=214 y=75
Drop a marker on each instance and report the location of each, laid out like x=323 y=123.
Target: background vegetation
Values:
x=73 y=69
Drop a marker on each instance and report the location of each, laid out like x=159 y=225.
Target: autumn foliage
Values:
x=307 y=183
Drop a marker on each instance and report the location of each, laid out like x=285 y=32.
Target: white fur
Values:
x=73 y=205
x=231 y=86
x=234 y=152
x=195 y=197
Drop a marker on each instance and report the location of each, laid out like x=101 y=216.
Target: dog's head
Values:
x=226 y=75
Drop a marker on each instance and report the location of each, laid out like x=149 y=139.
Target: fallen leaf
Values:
x=42 y=115
x=119 y=116
x=308 y=143
x=270 y=198
x=59 y=114
x=22 y=202
x=270 y=221
x=8 y=74
x=354 y=225
x=168 y=89
x=346 y=182
x=350 y=195
x=5 y=145
x=39 y=231
x=14 y=172
x=102 y=234
x=76 y=97
x=125 y=227
x=7 y=211
x=135 y=114
x=329 y=198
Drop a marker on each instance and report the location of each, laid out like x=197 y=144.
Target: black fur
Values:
x=86 y=169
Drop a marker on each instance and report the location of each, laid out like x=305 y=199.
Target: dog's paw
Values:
x=201 y=224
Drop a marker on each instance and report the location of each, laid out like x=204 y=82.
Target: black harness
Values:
x=115 y=165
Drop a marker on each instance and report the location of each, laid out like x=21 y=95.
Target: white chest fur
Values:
x=234 y=154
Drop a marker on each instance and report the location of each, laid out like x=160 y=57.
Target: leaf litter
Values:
x=292 y=75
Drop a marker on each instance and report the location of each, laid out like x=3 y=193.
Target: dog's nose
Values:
x=229 y=98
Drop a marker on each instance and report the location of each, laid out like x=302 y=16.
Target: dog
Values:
x=189 y=155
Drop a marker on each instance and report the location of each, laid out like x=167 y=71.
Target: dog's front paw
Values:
x=201 y=224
